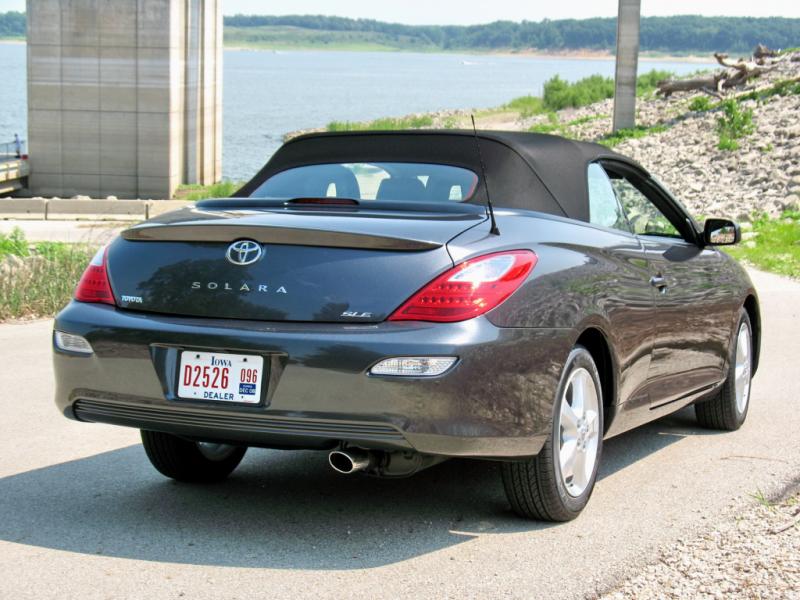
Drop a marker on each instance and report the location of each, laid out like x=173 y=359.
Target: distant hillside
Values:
x=676 y=35
x=681 y=34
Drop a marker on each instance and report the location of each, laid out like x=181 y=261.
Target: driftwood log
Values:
x=734 y=75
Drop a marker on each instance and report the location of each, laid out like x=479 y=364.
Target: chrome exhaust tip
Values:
x=349 y=461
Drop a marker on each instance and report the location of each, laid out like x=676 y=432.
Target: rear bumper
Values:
x=496 y=402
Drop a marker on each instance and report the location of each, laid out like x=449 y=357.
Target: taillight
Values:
x=469 y=289
x=94 y=285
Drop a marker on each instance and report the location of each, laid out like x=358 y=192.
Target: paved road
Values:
x=83 y=515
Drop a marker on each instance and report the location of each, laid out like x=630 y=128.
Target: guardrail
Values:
x=10 y=151
x=61 y=209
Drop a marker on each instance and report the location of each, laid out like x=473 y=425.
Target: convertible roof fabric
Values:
x=530 y=171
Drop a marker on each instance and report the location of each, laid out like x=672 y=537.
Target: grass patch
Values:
x=553 y=125
x=586 y=119
x=223 y=189
x=13 y=243
x=776 y=245
x=552 y=128
x=701 y=104
x=734 y=124
x=385 y=124
x=785 y=87
x=762 y=499
x=526 y=106
x=37 y=280
x=621 y=135
x=450 y=123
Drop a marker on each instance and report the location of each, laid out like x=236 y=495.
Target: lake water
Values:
x=268 y=94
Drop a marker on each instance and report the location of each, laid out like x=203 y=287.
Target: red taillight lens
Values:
x=469 y=289
x=94 y=285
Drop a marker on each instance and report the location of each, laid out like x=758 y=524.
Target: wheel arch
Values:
x=754 y=313
x=596 y=343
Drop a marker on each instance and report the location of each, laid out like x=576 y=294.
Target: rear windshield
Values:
x=414 y=182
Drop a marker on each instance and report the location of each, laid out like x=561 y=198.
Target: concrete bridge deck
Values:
x=13 y=175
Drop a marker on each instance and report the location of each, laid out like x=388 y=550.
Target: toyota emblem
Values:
x=244 y=252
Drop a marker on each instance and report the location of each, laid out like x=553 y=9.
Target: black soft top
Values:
x=531 y=171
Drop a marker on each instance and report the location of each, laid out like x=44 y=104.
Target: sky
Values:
x=467 y=12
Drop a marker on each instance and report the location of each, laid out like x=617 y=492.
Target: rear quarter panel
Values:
x=586 y=277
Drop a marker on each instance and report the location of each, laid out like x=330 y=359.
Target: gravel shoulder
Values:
x=753 y=552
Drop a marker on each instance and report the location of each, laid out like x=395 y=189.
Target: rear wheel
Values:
x=728 y=409
x=196 y=462
x=556 y=484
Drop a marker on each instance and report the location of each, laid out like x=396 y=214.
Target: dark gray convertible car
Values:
x=397 y=299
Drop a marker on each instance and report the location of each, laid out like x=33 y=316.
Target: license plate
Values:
x=220 y=377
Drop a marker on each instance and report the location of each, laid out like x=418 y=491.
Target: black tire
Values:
x=535 y=487
x=183 y=460
x=721 y=411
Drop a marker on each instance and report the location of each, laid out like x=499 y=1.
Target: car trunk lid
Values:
x=327 y=265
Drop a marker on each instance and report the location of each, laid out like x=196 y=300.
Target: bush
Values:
x=647 y=83
x=560 y=94
x=733 y=125
x=700 y=104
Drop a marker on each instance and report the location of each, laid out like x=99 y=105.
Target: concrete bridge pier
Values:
x=628 y=23
x=124 y=96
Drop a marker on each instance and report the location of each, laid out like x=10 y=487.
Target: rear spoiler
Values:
x=403 y=226
x=223 y=232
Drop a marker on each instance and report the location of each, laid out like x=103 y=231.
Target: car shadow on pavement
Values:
x=278 y=510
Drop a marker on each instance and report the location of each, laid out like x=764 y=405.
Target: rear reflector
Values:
x=416 y=366
x=94 y=285
x=72 y=343
x=469 y=289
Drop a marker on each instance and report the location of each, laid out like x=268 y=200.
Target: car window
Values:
x=644 y=217
x=604 y=207
x=372 y=181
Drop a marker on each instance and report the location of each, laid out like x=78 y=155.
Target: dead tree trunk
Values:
x=710 y=85
x=762 y=53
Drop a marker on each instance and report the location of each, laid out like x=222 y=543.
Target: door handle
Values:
x=659 y=282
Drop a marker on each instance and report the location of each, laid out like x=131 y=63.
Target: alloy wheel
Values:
x=579 y=433
x=743 y=368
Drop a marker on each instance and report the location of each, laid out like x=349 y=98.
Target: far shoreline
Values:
x=537 y=54
x=598 y=55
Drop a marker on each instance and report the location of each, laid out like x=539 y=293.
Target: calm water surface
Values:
x=268 y=94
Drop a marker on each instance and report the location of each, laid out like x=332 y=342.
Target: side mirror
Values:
x=721 y=232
